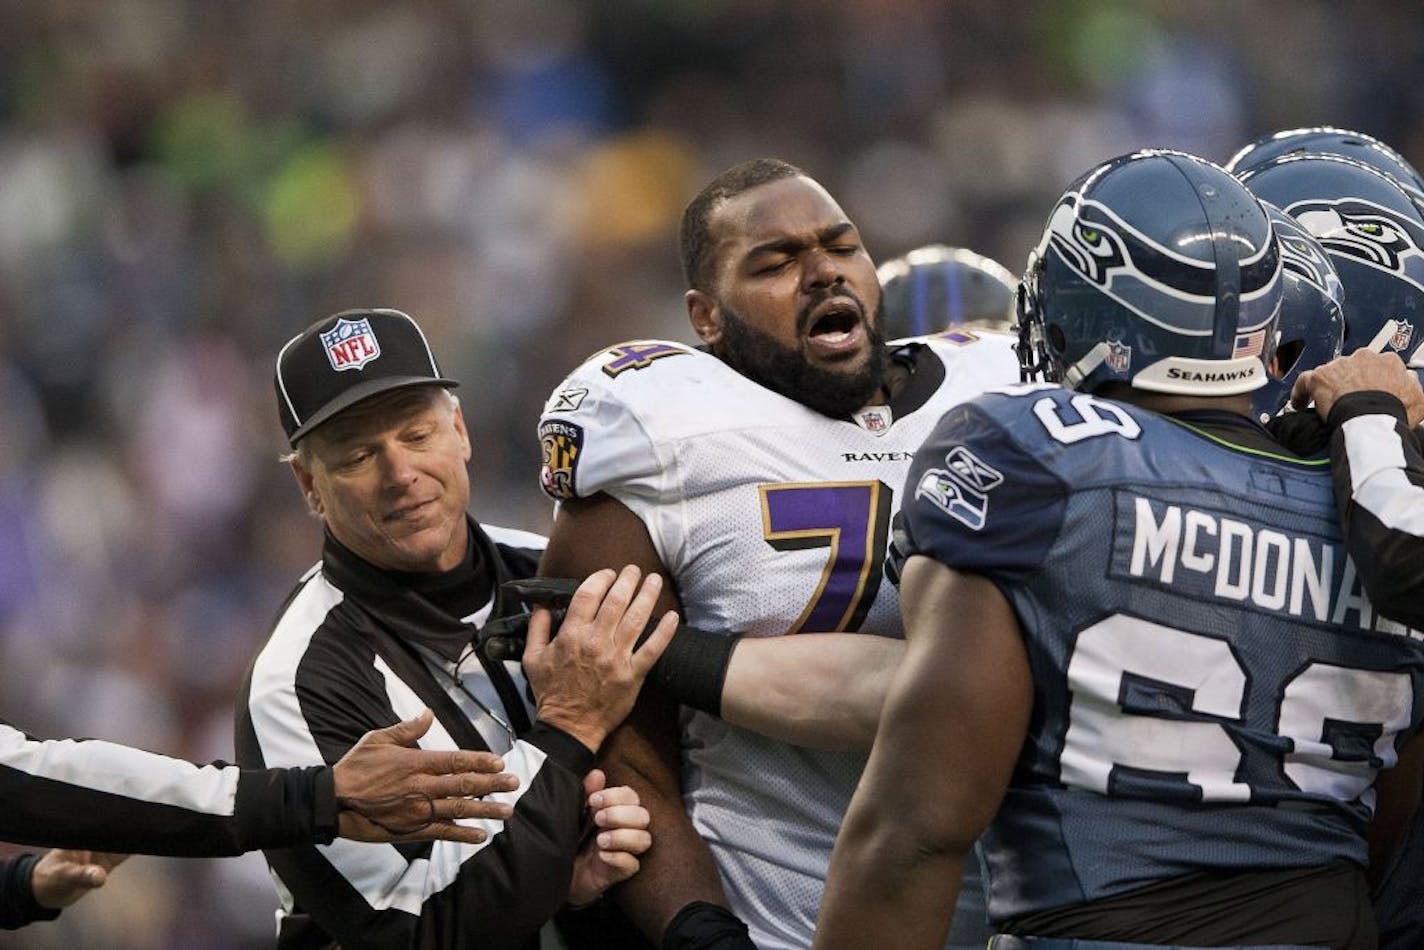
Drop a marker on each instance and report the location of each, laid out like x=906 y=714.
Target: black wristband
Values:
x=703 y=926
x=18 y=906
x=694 y=666
x=326 y=810
x=1366 y=402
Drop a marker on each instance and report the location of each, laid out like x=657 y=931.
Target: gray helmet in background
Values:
x=936 y=288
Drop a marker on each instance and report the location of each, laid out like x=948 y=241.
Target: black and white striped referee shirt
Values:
x=1379 y=487
x=356 y=648
x=95 y=795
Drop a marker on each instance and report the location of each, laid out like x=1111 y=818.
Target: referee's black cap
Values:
x=345 y=358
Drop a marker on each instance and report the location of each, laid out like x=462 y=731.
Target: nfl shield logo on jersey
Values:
x=874 y=419
x=1403 y=333
x=351 y=344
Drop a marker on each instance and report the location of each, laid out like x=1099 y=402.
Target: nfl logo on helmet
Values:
x=1403 y=333
x=1119 y=356
x=351 y=344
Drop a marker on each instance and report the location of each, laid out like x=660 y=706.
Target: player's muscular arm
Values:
x=824 y=690
x=954 y=722
x=590 y=534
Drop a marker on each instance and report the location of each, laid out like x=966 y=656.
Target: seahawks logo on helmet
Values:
x=1367 y=232
x=1302 y=257
x=1157 y=283
x=1095 y=249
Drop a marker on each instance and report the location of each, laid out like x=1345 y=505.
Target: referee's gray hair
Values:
x=302 y=454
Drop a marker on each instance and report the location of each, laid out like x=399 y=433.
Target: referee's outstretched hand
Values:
x=60 y=877
x=586 y=679
x=390 y=790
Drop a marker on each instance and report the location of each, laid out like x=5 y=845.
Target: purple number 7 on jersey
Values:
x=853 y=520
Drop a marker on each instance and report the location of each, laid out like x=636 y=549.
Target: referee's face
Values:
x=388 y=477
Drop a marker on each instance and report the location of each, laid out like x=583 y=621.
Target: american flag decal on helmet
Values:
x=1248 y=344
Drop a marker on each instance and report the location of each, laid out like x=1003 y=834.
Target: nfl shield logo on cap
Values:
x=382 y=349
x=351 y=344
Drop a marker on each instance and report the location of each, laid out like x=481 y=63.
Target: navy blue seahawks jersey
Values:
x=1212 y=688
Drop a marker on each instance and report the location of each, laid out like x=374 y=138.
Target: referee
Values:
x=1372 y=404
x=389 y=621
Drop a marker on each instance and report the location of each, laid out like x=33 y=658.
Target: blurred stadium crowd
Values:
x=184 y=184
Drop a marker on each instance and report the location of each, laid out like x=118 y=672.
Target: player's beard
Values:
x=785 y=370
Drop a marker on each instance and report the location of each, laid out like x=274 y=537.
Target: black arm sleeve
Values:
x=18 y=906
x=94 y=795
x=1379 y=487
x=693 y=668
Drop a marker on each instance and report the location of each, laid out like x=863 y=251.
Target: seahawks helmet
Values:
x=937 y=287
x=1157 y=269
x=1330 y=141
x=1374 y=234
x=1311 y=328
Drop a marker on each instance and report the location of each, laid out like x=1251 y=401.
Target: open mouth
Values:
x=834 y=322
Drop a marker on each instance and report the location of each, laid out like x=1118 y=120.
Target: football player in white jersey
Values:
x=759 y=473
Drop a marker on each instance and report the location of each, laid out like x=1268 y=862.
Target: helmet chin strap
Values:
x=1074 y=375
x=1377 y=344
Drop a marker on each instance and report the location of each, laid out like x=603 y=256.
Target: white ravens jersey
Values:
x=772 y=519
